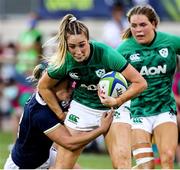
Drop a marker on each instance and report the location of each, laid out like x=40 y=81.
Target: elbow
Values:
x=71 y=146
x=66 y=143
x=144 y=85
x=41 y=87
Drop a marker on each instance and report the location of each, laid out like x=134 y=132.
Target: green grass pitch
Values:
x=86 y=160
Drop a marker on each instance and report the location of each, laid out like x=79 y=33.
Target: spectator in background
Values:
x=4 y=105
x=29 y=49
x=18 y=103
x=1 y=48
x=8 y=58
x=140 y=2
x=176 y=90
x=113 y=29
x=12 y=100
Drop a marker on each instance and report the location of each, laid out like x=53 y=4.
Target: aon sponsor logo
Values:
x=90 y=87
x=153 y=70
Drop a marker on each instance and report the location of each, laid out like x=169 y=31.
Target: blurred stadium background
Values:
x=14 y=15
x=15 y=19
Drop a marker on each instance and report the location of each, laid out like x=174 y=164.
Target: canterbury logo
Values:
x=74 y=76
x=137 y=120
x=117 y=114
x=135 y=57
x=73 y=118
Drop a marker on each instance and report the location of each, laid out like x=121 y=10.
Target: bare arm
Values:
x=45 y=88
x=177 y=98
x=62 y=136
x=138 y=84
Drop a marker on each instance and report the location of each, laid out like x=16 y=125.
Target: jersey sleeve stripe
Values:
x=52 y=128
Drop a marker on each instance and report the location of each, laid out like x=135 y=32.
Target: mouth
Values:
x=140 y=36
x=79 y=59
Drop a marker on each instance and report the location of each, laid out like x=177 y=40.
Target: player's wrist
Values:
x=61 y=115
x=119 y=101
x=101 y=129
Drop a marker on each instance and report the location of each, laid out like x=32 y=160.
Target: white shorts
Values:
x=150 y=123
x=49 y=163
x=83 y=118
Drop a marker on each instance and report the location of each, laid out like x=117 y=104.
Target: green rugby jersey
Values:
x=156 y=63
x=87 y=74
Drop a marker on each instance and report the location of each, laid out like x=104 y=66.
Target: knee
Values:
x=167 y=157
x=143 y=155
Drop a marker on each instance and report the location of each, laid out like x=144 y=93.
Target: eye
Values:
x=143 y=24
x=133 y=25
x=81 y=45
x=72 y=46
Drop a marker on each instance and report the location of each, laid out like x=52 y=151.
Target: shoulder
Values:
x=165 y=35
x=165 y=39
x=160 y=33
x=104 y=52
x=45 y=119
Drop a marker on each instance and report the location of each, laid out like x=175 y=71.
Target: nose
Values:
x=78 y=50
x=138 y=29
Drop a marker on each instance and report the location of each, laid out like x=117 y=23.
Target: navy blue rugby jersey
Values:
x=32 y=145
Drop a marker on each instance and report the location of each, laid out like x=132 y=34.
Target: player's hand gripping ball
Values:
x=112 y=84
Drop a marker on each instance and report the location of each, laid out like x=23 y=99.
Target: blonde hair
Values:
x=146 y=10
x=69 y=25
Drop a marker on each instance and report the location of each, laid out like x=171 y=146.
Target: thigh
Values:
x=66 y=159
x=118 y=140
x=166 y=136
x=122 y=114
x=118 y=137
x=178 y=125
x=140 y=136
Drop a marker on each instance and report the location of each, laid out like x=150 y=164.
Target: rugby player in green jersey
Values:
x=86 y=62
x=153 y=112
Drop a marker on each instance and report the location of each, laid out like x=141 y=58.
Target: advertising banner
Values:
x=166 y=9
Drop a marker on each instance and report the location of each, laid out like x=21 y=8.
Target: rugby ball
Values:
x=112 y=84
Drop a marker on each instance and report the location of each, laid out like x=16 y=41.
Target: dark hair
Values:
x=37 y=73
x=146 y=10
x=117 y=6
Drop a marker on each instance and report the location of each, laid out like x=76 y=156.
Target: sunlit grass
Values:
x=86 y=160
